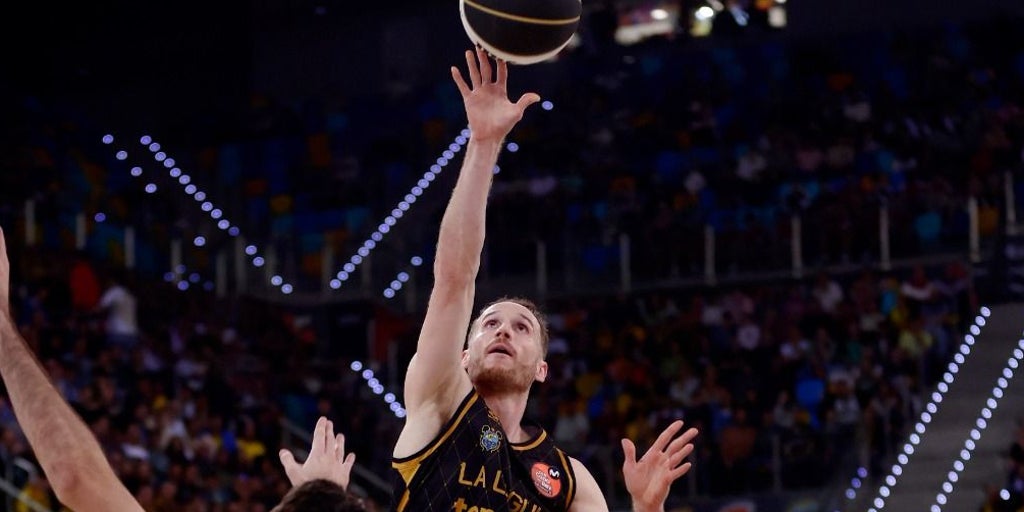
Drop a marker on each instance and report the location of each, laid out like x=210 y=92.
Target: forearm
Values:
x=461 y=236
x=65 y=447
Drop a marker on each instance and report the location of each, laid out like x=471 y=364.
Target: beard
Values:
x=492 y=380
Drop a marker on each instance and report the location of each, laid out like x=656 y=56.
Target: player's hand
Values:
x=649 y=479
x=326 y=460
x=491 y=114
x=5 y=277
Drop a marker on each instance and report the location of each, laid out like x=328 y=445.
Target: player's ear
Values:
x=465 y=358
x=542 y=371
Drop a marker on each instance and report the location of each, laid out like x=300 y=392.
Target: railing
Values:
x=11 y=489
x=717 y=253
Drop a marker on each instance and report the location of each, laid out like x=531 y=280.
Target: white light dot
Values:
x=286 y=289
x=941 y=499
x=430 y=176
x=390 y=221
x=343 y=276
x=250 y=250
x=919 y=428
x=958 y=465
x=991 y=403
x=985 y=312
x=160 y=156
x=454 y=147
x=400 y=413
x=884 y=491
x=851 y=494
x=1002 y=383
x=547 y=105
x=183 y=285
x=448 y=154
x=200 y=195
x=121 y=155
x=206 y=206
x=349 y=267
x=154 y=147
x=136 y=171
x=370 y=244
x=190 y=189
x=947 y=377
x=403 y=276
x=442 y=161
x=234 y=231
x=975 y=330
x=965 y=349
x=965 y=454
x=932 y=408
x=902 y=458
x=403 y=206
x=223 y=224
x=145 y=139
x=363 y=251
x=335 y=284
x=948 y=487
x=937 y=397
x=199 y=241
x=954 y=367
x=168 y=163
x=1004 y=494
x=996 y=392
x=512 y=147
x=385 y=228
x=897 y=470
x=980 y=320
x=258 y=261
x=367 y=374
x=423 y=183
x=409 y=198
x=986 y=413
x=1008 y=373
x=108 y=139
x=151 y=188
x=389 y=293
x=879 y=502
x=497 y=169
x=890 y=480
x=396 y=285
x=952 y=476
x=465 y=132
x=416 y=191
x=958 y=358
x=276 y=280
x=1018 y=353
x=216 y=213
x=416 y=261
x=982 y=424
x=936 y=508
x=926 y=418
x=357 y=259
x=908 y=449
x=915 y=439
x=943 y=387
x=389 y=398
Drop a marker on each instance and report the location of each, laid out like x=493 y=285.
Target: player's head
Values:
x=506 y=346
x=319 y=496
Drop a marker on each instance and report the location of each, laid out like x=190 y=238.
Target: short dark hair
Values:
x=319 y=496
x=542 y=320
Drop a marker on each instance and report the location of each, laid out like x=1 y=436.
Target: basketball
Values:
x=521 y=31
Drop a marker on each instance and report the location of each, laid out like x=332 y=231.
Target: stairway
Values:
x=927 y=469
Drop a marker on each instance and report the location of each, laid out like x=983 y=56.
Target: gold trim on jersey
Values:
x=531 y=444
x=570 y=476
x=407 y=466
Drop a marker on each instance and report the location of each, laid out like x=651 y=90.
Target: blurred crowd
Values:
x=192 y=396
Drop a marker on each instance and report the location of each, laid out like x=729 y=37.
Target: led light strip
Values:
x=175 y=276
x=200 y=197
x=378 y=388
x=401 y=278
x=981 y=423
x=931 y=408
x=400 y=209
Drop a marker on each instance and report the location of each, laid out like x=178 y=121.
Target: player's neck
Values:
x=509 y=407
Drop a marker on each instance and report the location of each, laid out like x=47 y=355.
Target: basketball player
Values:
x=75 y=465
x=465 y=446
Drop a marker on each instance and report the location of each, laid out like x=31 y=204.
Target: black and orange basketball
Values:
x=521 y=31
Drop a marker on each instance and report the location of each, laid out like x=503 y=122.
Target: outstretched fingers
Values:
x=474 y=70
x=486 y=73
x=666 y=436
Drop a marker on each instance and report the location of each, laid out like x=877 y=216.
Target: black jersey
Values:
x=471 y=467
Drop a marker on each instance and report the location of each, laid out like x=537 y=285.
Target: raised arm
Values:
x=70 y=456
x=435 y=381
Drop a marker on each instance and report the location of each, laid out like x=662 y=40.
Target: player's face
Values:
x=504 y=351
